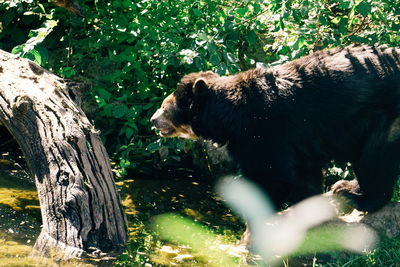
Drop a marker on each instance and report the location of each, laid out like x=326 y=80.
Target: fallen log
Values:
x=80 y=207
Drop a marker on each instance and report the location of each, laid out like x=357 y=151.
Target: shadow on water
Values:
x=195 y=199
x=185 y=196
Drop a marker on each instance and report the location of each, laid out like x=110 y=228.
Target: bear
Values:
x=283 y=124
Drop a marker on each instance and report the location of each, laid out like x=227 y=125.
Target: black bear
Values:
x=283 y=124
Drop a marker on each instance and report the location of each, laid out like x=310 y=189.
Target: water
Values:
x=20 y=219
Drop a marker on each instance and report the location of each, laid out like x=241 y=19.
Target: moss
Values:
x=13 y=249
x=15 y=254
x=18 y=199
x=26 y=261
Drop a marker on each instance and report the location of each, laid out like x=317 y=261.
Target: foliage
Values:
x=131 y=54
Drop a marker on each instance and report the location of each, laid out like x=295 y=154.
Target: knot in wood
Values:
x=71 y=201
x=72 y=138
x=62 y=210
x=23 y=103
x=35 y=68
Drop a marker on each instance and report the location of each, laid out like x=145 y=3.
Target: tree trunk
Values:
x=80 y=207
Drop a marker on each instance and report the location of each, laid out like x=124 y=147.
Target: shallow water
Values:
x=142 y=199
x=19 y=215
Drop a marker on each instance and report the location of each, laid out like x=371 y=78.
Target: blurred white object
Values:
x=274 y=236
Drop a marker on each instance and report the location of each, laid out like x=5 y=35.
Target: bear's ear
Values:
x=200 y=86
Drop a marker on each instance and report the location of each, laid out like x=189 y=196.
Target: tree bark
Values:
x=81 y=211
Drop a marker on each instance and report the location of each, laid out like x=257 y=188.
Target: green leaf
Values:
x=323 y=20
x=44 y=53
x=202 y=36
x=108 y=110
x=343 y=25
x=196 y=12
x=124 y=163
x=37 y=56
x=133 y=126
x=233 y=35
x=251 y=37
x=364 y=8
x=257 y=8
x=120 y=110
x=8 y=16
x=395 y=26
x=358 y=39
x=345 y=4
x=242 y=11
x=103 y=94
x=132 y=113
x=18 y=49
x=147 y=106
x=215 y=59
x=67 y=72
x=152 y=147
x=335 y=20
x=129 y=132
x=126 y=3
x=211 y=48
x=42 y=8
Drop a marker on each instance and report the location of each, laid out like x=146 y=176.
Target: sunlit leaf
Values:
x=241 y=11
x=36 y=55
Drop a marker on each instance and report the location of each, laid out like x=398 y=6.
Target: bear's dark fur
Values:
x=283 y=124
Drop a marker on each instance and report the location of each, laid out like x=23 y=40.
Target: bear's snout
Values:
x=162 y=123
x=154 y=120
x=159 y=119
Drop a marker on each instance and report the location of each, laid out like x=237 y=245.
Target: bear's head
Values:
x=180 y=109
